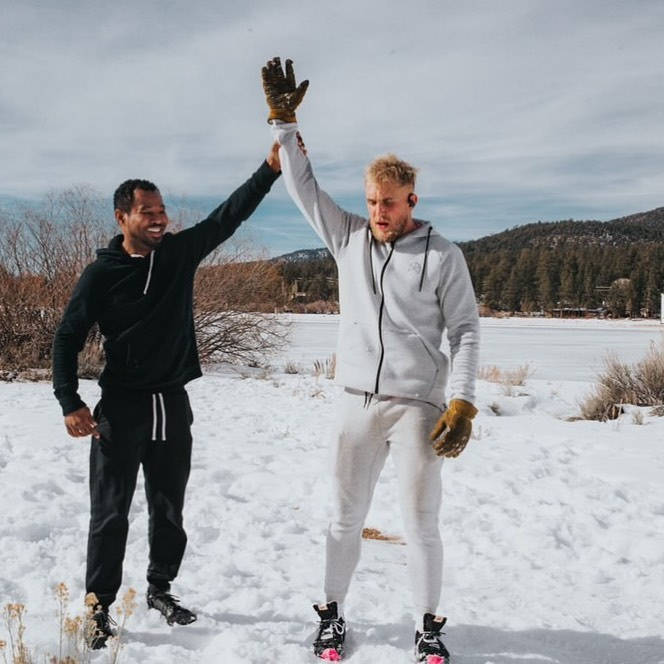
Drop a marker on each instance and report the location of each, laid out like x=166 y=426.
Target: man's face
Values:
x=390 y=216
x=144 y=225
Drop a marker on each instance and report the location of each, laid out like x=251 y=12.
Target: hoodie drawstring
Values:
x=373 y=278
x=147 y=281
x=424 y=262
x=158 y=398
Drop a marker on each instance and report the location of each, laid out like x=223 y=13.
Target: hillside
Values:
x=643 y=227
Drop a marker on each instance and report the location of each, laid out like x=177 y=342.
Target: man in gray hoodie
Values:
x=401 y=287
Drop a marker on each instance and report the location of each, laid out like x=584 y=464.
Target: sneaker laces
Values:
x=105 y=617
x=171 y=600
x=431 y=637
x=329 y=627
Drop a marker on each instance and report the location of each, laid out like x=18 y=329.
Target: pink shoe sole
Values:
x=436 y=659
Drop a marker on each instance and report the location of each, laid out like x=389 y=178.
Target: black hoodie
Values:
x=144 y=305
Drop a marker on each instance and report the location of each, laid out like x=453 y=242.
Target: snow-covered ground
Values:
x=553 y=529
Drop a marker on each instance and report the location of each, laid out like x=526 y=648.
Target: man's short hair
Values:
x=123 y=198
x=389 y=168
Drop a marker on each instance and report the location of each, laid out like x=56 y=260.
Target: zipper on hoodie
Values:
x=380 y=318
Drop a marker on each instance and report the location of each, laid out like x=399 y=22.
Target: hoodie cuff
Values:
x=70 y=402
x=265 y=176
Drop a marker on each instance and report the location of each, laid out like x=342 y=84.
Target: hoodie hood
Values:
x=114 y=251
x=422 y=231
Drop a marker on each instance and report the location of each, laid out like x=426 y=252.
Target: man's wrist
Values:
x=282 y=116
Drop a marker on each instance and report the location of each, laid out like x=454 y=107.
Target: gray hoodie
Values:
x=397 y=299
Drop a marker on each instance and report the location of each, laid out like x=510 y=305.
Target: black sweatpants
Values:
x=135 y=429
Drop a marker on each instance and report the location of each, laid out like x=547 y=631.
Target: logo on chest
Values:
x=415 y=267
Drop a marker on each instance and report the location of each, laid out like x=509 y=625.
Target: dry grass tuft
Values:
x=641 y=384
x=508 y=378
x=74 y=632
x=375 y=534
x=328 y=368
x=126 y=609
x=13 y=615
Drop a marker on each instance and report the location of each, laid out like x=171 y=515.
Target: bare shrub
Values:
x=641 y=384
x=43 y=250
x=233 y=292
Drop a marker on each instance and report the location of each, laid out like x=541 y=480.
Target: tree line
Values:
x=614 y=268
x=618 y=280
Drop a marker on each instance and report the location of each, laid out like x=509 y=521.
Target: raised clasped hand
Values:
x=282 y=94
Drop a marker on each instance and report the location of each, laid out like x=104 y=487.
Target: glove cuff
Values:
x=284 y=116
x=463 y=408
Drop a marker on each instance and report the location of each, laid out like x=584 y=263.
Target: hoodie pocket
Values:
x=408 y=364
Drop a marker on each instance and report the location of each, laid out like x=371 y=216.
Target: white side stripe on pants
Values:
x=163 y=417
x=155 y=416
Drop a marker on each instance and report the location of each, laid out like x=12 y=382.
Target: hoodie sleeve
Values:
x=332 y=224
x=463 y=325
x=81 y=313
x=222 y=222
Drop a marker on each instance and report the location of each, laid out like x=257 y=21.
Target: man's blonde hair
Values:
x=389 y=168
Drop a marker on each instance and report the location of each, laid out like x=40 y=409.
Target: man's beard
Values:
x=394 y=232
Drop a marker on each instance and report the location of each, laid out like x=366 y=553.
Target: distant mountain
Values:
x=643 y=227
x=304 y=255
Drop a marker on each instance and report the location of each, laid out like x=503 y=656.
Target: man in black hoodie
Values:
x=140 y=292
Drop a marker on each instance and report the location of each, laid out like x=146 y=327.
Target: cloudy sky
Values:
x=514 y=111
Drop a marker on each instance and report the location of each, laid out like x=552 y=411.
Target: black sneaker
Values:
x=169 y=607
x=99 y=628
x=329 y=643
x=428 y=646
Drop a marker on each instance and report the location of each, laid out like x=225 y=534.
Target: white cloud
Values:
x=512 y=103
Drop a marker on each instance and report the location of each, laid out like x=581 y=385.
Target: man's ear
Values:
x=412 y=200
x=120 y=217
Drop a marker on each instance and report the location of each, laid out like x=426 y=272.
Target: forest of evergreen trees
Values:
x=624 y=280
x=614 y=267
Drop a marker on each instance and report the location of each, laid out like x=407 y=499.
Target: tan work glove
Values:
x=281 y=93
x=452 y=431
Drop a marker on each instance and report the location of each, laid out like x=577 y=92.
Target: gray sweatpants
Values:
x=364 y=437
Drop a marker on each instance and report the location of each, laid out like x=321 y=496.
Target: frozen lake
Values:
x=554 y=349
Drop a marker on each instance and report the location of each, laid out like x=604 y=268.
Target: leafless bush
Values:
x=641 y=384
x=44 y=248
x=233 y=292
